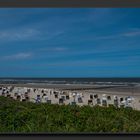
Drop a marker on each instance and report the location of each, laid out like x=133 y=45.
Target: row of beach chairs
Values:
x=44 y=95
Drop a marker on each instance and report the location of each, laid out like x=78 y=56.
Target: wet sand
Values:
x=65 y=86
x=126 y=90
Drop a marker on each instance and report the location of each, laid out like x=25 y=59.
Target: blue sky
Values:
x=70 y=42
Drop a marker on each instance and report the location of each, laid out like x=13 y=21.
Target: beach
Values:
x=80 y=94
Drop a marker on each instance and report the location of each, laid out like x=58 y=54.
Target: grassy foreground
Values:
x=18 y=116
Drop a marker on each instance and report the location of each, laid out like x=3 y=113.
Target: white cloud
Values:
x=18 y=34
x=18 y=56
x=54 y=49
x=50 y=35
x=132 y=33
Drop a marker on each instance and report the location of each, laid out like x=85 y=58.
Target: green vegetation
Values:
x=18 y=116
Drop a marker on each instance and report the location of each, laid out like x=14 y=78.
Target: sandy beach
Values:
x=79 y=94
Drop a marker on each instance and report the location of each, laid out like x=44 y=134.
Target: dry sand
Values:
x=86 y=90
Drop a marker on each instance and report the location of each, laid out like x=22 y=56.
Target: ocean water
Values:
x=100 y=81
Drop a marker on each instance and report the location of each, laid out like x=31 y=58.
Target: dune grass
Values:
x=26 y=117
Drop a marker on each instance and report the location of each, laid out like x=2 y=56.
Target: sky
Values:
x=69 y=42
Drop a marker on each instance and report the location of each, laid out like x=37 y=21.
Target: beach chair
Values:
x=23 y=100
x=67 y=97
x=98 y=101
x=34 y=90
x=116 y=103
x=45 y=98
x=3 y=93
x=11 y=89
x=74 y=94
x=56 y=95
x=63 y=97
x=28 y=90
x=104 y=102
x=49 y=101
x=121 y=99
x=27 y=98
x=43 y=95
x=73 y=103
x=38 y=96
x=18 y=97
x=61 y=101
x=8 y=95
x=129 y=99
x=38 y=100
x=108 y=97
x=4 y=89
x=15 y=94
x=128 y=104
x=26 y=93
x=80 y=100
x=90 y=102
x=95 y=96
x=51 y=92
x=91 y=96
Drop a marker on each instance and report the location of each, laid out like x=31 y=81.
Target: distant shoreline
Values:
x=61 y=86
x=84 y=87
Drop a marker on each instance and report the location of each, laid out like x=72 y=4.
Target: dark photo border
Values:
x=70 y=4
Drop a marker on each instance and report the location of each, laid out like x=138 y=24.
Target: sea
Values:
x=99 y=81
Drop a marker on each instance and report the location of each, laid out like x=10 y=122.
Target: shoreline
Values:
x=123 y=89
